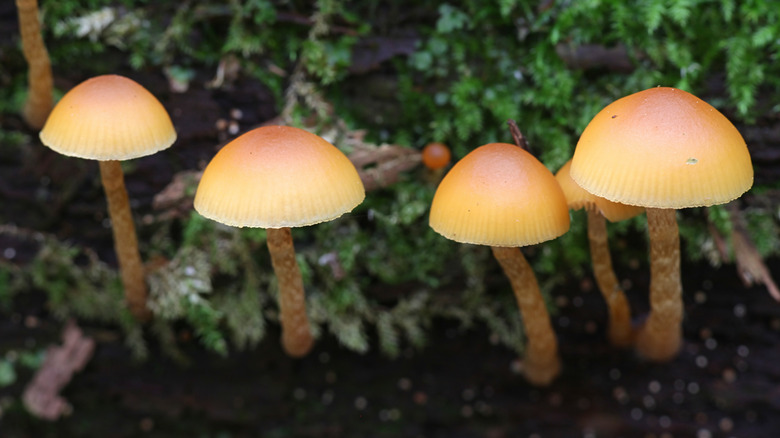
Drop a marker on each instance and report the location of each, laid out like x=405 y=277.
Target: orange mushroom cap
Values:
x=108 y=117
x=499 y=195
x=436 y=155
x=278 y=176
x=662 y=148
x=578 y=198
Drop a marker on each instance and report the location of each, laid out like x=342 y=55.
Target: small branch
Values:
x=594 y=56
x=518 y=136
x=750 y=265
x=382 y=166
x=41 y=396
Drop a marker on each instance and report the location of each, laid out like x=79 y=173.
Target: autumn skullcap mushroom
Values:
x=500 y=195
x=662 y=149
x=599 y=210
x=111 y=118
x=436 y=155
x=277 y=177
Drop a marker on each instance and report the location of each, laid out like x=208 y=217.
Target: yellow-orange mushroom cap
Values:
x=278 y=176
x=662 y=148
x=499 y=195
x=579 y=198
x=108 y=117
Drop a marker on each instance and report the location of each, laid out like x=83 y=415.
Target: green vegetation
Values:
x=549 y=65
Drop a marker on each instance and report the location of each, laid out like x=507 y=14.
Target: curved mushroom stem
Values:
x=660 y=338
x=542 y=364
x=125 y=241
x=620 y=332
x=296 y=333
x=39 y=99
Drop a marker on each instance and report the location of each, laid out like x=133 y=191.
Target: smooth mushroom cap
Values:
x=662 y=148
x=108 y=117
x=579 y=198
x=278 y=176
x=436 y=155
x=499 y=195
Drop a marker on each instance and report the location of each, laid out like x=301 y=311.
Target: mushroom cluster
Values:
x=657 y=150
x=662 y=149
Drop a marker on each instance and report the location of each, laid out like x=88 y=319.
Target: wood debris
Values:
x=175 y=200
x=41 y=396
x=750 y=265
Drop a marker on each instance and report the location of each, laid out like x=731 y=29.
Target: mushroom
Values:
x=277 y=177
x=111 y=118
x=500 y=195
x=40 y=85
x=662 y=149
x=436 y=155
x=599 y=210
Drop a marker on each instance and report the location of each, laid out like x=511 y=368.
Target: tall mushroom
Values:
x=277 y=177
x=599 y=210
x=40 y=85
x=662 y=149
x=111 y=118
x=500 y=195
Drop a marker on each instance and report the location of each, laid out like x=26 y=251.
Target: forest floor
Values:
x=724 y=383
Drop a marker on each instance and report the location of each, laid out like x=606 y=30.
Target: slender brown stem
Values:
x=39 y=99
x=620 y=332
x=125 y=241
x=542 y=364
x=296 y=333
x=661 y=337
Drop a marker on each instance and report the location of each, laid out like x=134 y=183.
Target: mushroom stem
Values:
x=660 y=338
x=620 y=331
x=296 y=333
x=125 y=241
x=541 y=354
x=39 y=99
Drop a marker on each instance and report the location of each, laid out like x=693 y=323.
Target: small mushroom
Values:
x=500 y=195
x=436 y=156
x=111 y=118
x=599 y=210
x=662 y=149
x=277 y=177
x=40 y=84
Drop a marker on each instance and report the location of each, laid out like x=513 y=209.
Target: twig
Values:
x=520 y=140
x=41 y=397
x=750 y=264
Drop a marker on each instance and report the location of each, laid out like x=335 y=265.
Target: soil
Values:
x=724 y=383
